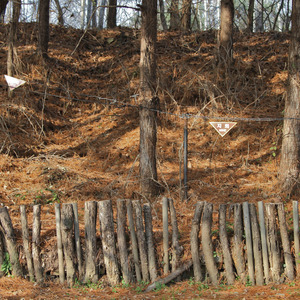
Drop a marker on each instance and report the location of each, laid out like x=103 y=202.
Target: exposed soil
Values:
x=64 y=138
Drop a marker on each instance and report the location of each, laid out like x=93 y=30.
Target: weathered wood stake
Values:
x=108 y=241
x=225 y=245
x=9 y=235
x=289 y=267
x=256 y=242
x=121 y=238
x=247 y=226
x=141 y=239
x=90 y=219
x=61 y=268
x=135 y=248
x=264 y=241
x=26 y=244
x=296 y=236
x=207 y=243
x=165 y=235
x=67 y=226
x=149 y=241
x=195 y=241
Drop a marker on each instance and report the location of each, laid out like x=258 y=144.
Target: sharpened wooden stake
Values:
x=61 y=268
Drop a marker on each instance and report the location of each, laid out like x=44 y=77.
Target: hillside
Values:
x=71 y=134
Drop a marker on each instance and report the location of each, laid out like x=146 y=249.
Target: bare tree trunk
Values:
x=174 y=15
x=186 y=15
x=3 y=4
x=60 y=253
x=94 y=19
x=250 y=15
x=226 y=32
x=60 y=13
x=290 y=152
x=148 y=99
x=101 y=14
x=11 y=52
x=44 y=27
x=162 y=15
x=112 y=14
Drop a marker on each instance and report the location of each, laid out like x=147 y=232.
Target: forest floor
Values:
x=71 y=134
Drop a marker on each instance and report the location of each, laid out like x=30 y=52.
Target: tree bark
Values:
x=186 y=15
x=226 y=32
x=3 y=5
x=162 y=15
x=44 y=6
x=250 y=16
x=290 y=151
x=174 y=15
x=108 y=241
x=10 y=240
x=112 y=14
x=148 y=99
x=90 y=219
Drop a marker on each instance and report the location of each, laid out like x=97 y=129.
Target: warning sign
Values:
x=222 y=127
x=13 y=82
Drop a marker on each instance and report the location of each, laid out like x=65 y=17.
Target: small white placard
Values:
x=13 y=82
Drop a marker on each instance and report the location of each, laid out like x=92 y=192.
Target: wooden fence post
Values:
x=207 y=243
x=285 y=243
x=165 y=235
x=36 y=240
x=225 y=244
x=195 y=241
x=149 y=241
x=176 y=249
x=26 y=244
x=273 y=245
x=135 y=249
x=238 y=253
x=256 y=242
x=264 y=241
x=61 y=268
x=108 y=241
x=1 y=251
x=121 y=237
x=90 y=219
x=9 y=235
x=67 y=226
x=77 y=240
x=296 y=236
x=141 y=239
x=248 y=234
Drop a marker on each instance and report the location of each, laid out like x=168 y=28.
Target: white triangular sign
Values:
x=222 y=127
x=13 y=82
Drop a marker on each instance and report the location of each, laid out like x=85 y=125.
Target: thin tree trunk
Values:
x=296 y=236
x=162 y=15
x=290 y=151
x=61 y=268
x=186 y=15
x=148 y=99
x=174 y=15
x=101 y=14
x=165 y=205
x=44 y=6
x=10 y=240
x=60 y=17
x=26 y=244
x=250 y=15
x=112 y=14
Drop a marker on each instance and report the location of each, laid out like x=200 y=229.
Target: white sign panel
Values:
x=222 y=127
x=13 y=82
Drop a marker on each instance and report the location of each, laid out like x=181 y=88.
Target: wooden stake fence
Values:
x=256 y=246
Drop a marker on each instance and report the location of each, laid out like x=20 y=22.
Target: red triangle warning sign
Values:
x=222 y=127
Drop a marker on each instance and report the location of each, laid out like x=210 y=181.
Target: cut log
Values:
x=289 y=267
x=248 y=233
x=237 y=251
x=165 y=235
x=207 y=243
x=26 y=243
x=67 y=233
x=61 y=268
x=225 y=245
x=149 y=241
x=273 y=245
x=36 y=240
x=141 y=239
x=264 y=241
x=90 y=219
x=122 y=245
x=170 y=277
x=108 y=241
x=134 y=244
x=9 y=236
x=256 y=242
x=195 y=241
x=77 y=241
